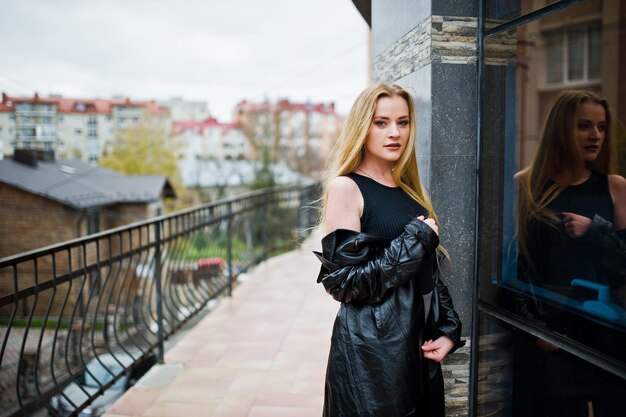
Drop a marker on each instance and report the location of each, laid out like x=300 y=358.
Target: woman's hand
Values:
x=431 y=223
x=438 y=349
x=575 y=225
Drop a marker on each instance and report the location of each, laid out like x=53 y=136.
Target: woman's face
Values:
x=389 y=133
x=590 y=129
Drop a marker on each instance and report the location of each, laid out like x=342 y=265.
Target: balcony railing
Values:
x=124 y=291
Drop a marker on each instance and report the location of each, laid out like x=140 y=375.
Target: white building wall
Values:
x=7 y=134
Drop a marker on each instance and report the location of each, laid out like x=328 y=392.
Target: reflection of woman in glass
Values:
x=396 y=321
x=572 y=210
x=572 y=219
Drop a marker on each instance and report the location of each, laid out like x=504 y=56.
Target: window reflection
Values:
x=570 y=218
x=553 y=230
x=566 y=110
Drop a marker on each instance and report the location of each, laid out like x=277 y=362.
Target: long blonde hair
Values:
x=559 y=158
x=348 y=152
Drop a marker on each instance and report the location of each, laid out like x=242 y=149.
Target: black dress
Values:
x=554 y=259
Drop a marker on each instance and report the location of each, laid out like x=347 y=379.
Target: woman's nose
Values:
x=595 y=132
x=393 y=130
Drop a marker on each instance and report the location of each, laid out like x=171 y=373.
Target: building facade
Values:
x=210 y=139
x=484 y=75
x=299 y=134
x=72 y=128
x=181 y=109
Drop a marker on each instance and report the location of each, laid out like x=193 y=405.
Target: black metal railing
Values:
x=122 y=292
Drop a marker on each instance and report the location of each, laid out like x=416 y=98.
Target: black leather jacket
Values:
x=375 y=366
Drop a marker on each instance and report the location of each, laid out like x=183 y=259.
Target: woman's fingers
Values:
x=575 y=225
x=433 y=225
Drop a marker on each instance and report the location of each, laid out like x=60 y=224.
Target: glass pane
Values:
x=554 y=56
x=521 y=375
x=576 y=53
x=595 y=51
x=553 y=239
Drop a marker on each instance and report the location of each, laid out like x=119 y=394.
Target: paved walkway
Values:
x=260 y=353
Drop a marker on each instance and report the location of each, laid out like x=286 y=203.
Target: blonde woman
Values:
x=396 y=321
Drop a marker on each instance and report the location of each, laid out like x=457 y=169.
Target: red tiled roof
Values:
x=76 y=105
x=286 y=105
x=181 y=126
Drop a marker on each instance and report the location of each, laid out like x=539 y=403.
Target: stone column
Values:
x=429 y=47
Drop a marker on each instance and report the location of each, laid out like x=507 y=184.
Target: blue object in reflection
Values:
x=602 y=306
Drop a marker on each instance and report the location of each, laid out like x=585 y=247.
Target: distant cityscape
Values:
x=295 y=135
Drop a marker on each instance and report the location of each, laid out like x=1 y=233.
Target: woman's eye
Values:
x=602 y=128
x=380 y=123
x=403 y=123
x=583 y=126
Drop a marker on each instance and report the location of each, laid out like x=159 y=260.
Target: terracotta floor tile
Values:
x=172 y=409
x=117 y=415
x=288 y=400
x=282 y=412
x=135 y=401
x=201 y=395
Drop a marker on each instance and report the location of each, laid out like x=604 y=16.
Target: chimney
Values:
x=31 y=157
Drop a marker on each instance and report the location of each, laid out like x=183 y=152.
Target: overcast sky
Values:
x=215 y=51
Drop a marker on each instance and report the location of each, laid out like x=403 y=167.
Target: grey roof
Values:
x=80 y=185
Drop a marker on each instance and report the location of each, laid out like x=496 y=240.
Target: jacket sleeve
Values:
x=448 y=323
x=369 y=280
x=614 y=248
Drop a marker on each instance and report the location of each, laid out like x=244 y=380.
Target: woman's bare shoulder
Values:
x=617 y=181
x=617 y=186
x=344 y=204
x=341 y=185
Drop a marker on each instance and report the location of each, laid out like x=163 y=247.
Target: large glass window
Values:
x=552 y=257
x=573 y=54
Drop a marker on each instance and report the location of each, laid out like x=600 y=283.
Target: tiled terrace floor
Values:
x=260 y=353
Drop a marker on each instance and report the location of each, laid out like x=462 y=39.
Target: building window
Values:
x=78 y=131
x=573 y=54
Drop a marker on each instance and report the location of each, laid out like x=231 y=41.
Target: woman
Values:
x=572 y=207
x=572 y=219
x=379 y=261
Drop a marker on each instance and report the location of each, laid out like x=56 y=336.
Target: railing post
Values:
x=159 y=289
x=266 y=225
x=229 y=247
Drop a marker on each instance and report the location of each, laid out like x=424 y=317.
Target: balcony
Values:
x=262 y=352
x=124 y=292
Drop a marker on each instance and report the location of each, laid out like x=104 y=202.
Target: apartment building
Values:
x=300 y=134
x=210 y=139
x=190 y=110
x=72 y=128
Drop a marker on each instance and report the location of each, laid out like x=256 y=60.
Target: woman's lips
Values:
x=393 y=146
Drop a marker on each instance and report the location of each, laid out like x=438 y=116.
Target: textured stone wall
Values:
x=438 y=39
x=441 y=39
x=456 y=377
